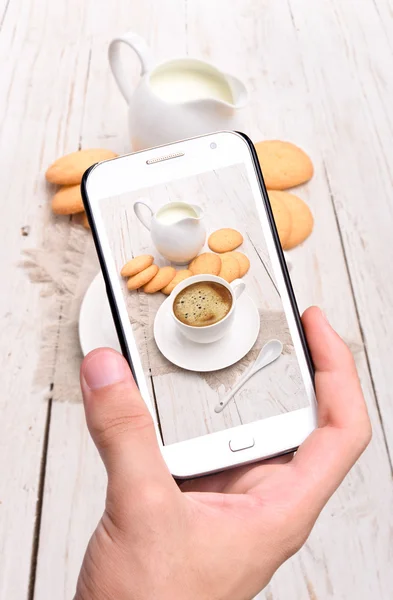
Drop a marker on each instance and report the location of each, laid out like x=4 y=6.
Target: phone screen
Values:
x=217 y=350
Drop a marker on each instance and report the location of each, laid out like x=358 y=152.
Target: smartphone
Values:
x=221 y=359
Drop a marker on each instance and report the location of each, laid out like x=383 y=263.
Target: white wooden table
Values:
x=320 y=75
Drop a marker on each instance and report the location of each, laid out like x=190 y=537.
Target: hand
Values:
x=222 y=536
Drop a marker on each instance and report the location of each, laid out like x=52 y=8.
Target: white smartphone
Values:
x=221 y=359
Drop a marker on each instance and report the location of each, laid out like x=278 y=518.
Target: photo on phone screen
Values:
x=217 y=352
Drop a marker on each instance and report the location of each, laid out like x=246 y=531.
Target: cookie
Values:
x=69 y=169
x=180 y=276
x=283 y=164
x=302 y=221
x=136 y=265
x=68 y=200
x=224 y=240
x=206 y=264
x=159 y=281
x=242 y=259
x=282 y=215
x=142 y=278
x=230 y=268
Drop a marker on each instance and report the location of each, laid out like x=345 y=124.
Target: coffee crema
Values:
x=202 y=304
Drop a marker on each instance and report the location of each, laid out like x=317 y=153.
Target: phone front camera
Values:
x=213 y=145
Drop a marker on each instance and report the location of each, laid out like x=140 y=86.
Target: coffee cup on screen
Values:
x=203 y=306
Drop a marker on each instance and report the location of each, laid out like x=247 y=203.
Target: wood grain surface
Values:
x=319 y=75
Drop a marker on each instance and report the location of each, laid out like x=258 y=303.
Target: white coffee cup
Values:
x=210 y=333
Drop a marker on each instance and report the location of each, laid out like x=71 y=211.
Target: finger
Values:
x=239 y=480
x=344 y=430
x=280 y=460
x=120 y=423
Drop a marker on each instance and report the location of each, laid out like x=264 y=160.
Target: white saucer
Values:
x=96 y=327
x=97 y=330
x=208 y=357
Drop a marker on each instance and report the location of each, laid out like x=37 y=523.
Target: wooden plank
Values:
x=354 y=108
x=41 y=79
x=73 y=499
x=265 y=49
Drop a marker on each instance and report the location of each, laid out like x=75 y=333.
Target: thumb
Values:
x=120 y=423
x=344 y=430
x=340 y=399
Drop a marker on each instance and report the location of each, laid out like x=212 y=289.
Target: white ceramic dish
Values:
x=96 y=330
x=208 y=357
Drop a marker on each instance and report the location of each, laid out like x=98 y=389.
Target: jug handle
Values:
x=140 y=47
x=137 y=211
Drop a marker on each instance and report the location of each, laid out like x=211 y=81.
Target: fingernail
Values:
x=103 y=369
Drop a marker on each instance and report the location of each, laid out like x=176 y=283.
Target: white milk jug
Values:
x=176 y=229
x=175 y=99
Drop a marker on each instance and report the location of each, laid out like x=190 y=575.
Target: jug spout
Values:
x=238 y=90
x=198 y=212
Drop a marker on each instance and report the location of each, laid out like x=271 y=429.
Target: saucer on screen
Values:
x=208 y=357
x=96 y=326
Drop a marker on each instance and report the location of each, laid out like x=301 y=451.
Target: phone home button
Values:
x=241 y=442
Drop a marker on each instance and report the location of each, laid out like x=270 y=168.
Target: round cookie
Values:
x=230 y=268
x=282 y=215
x=206 y=264
x=142 y=278
x=69 y=169
x=180 y=276
x=136 y=265
x=242 y=259
x=301 y=218
x=68 y=200
x=225 y=240
x=283 y=164
x=160 y=280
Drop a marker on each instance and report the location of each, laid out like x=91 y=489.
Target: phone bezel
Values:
x=274 y=435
